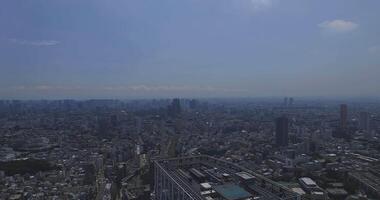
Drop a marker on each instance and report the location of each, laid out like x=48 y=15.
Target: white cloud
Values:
x=45 y=88
x=259 y=4
x=338 y=25
x=169 y=88
x=35 y=42
x=126 y=88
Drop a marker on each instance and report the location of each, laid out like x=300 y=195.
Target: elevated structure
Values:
x=282 y=126
x=343 y=116
x=368 y=181
x=207 y=178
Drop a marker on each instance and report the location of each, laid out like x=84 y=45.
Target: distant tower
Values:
x=285 y=101
x=343 y=116
x=364 y=121
x=291 y=101
x=175 y=107
x=282 y=131
x=193 y=104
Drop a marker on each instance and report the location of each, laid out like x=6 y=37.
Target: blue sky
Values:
x=189 y=48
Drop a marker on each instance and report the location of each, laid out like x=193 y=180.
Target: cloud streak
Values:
x=260 y=4
x=131 y=88
x=34 y=42
x=338 y=25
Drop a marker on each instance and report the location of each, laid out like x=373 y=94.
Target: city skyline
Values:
x=190 y=100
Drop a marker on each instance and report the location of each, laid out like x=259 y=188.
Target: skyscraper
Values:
x=343 y=116
x=282 y=131
x=285 y=101
x=175 y=107
x=291 y=101
x=193 y=104
x=364 y=121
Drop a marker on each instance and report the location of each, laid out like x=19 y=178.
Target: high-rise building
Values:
x=342 y=130
x=291 y=101
x=193 y=104
x=343 y=116
x=282 y=131
x=286 y=101
x=175 y=107
x=364 y=121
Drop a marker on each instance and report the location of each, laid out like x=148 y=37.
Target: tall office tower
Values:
x=193 y=104
x=286 y=101
x=282 y=131
x=175 y=107
x=364 y=121
x=343 y=116
x=291 y=101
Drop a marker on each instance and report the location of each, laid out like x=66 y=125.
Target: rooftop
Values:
x=194 y=175
x=245 y=175
x=232 y=192
x=308 y=181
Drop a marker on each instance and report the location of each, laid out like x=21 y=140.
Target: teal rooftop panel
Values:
x=232 y=192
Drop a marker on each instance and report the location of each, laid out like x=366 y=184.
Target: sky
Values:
x=51 y=49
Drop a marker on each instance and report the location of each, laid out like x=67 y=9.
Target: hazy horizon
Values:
x=68 y=49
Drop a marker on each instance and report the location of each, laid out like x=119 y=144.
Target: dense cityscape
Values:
x=189 y=100
x=230 y=149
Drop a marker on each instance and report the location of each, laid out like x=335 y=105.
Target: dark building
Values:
x=89 y=176
x=282 y=131
x=175 y=108
x=193 y=104
x=285 y=101
x=343 y=116
x=342 y=129
x=364 y=121
x=291 y=101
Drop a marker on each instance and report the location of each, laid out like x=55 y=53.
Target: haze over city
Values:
x=189 y=100
x=189 y=48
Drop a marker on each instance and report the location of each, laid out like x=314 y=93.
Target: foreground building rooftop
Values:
x=207 y=178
